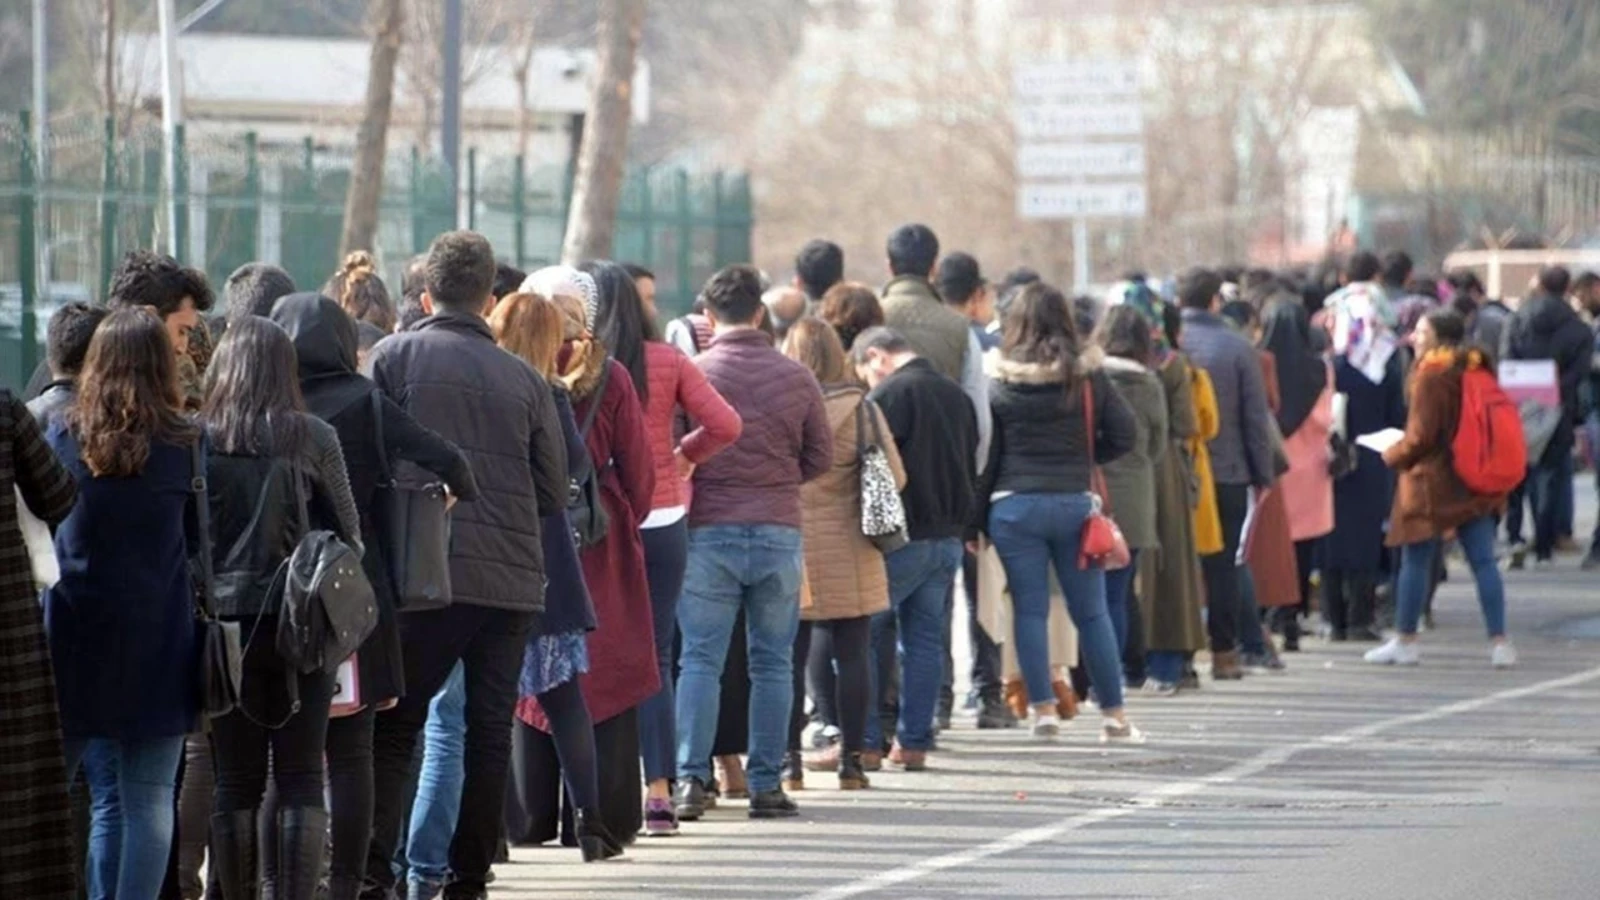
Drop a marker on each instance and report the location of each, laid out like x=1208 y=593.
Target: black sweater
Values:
x=936 y=431
x=1040 y=445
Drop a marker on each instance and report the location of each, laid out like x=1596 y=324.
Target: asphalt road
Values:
x=1333 y=780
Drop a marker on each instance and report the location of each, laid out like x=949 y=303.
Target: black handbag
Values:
x=412 y=530
x=221 y=663
x=325 y=603
x=587 y=511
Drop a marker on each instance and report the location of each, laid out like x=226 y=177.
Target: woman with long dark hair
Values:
x=669 y=385
x=1038 y=493
x=121 y=619
x=621 y=650
x=325 y=342
x=263 y=441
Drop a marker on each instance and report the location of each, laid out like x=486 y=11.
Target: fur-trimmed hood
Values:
x=1113 y=364
x=1010 y=371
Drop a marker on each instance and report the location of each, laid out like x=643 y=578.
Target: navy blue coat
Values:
x=121 y=620
x=1361 y=500
x=567 y=604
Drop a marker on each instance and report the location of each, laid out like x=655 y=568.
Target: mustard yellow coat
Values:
x=1207 y=522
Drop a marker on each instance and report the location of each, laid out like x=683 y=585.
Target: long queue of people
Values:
x=674 y=549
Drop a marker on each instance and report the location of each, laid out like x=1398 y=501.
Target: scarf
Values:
x=564 y=281
x=1138 y=295
x=1363 y=329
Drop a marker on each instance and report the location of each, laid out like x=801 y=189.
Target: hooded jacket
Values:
x=325 y=340
x=449 y=374
x=1547 y=327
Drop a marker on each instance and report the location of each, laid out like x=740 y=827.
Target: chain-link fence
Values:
x=101 y=193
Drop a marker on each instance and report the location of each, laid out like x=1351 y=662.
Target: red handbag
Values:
x=1101 y=543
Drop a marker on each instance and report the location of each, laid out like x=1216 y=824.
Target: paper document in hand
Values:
x=1381 y=440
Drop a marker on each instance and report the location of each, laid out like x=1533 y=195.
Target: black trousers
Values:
x=1224 y=596
x=838 y=661
x=489 y=644
x=547 y=809
x=1348 y=598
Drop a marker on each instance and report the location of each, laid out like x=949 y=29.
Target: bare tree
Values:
x=366 y=170
x=523 y=40
x=597 y=187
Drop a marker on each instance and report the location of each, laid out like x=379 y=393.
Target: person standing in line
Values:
x=1305 y=418
x=936 y=440
x=1546 y=327
x=844 y=572
x=668 y=384
x=325 y=342
x=67 y=340
x=817 y=268
x=623 y=670
x=1586 y=293
x=36 y=841
x=1037 y=494
x=254 y=288
x=1373 y=381
x=263 y=441
x=785 y=306
x=745 y=544
x=1124 y=338
x=1240 y=453
x=1171 y=592
x=850 y=308
x=1431 y=500
x=965 y=290
x=359 y=291
x=449 y=374
x=644 y=281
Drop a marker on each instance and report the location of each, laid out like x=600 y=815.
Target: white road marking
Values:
x=1153 y=798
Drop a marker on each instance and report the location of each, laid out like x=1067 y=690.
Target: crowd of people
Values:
x=690 y=561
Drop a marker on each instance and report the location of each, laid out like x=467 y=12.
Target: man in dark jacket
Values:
x=450 y=376
x=937 y=436
x=744 y=544
x=1241 y=458
x=1545 y=326
x=66 y=345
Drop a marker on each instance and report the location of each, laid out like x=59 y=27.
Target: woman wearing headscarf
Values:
x=623 y=671
x=1171 y=592
x=1371 y=375
x=1305 y=418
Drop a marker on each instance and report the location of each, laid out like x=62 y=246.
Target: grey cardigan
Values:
x=1241 y=453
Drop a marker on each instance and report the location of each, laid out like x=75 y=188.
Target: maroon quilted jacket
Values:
x=786 y=440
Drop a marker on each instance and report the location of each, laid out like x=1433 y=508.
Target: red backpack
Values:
x=1489 y=453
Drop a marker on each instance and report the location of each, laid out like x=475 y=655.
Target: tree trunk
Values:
x=109 y=59
x=597 y=187
x=366 y=169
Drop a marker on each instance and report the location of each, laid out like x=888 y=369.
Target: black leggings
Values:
x=350 y=792
x=840 y=648
x=242 y=743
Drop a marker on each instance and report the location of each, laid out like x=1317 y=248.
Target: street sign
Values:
x=1084 y=77
x=1081 y=201
x=1077 y=159
x=1074 y=119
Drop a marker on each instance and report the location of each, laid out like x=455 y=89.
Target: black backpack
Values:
x=326 y=605
x=587 y=511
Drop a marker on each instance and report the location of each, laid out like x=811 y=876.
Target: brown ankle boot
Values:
x=1225 y=666
x=1066 y=700
x=1015 y=694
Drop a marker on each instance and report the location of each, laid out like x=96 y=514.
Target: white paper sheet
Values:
x=1381 y=440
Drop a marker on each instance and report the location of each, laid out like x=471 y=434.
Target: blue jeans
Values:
x=137 y=781
x=1031 y=533
x=1119 y=593
x=921 y=578
x=665 y=555
x=1416 y=577
x=438 y=802
x=757 y=568
x=1164 y=666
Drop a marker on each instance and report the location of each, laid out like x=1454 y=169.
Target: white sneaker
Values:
x=1503 y=656
x=1394 y=653
x=1046 y=726
x=1114 y=732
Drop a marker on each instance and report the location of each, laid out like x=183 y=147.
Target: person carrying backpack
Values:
x=1460 y=457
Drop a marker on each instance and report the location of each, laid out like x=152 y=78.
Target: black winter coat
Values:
x=450 y=376
x=1546 y=327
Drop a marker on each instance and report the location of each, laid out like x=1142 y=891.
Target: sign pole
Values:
x=1080 y=255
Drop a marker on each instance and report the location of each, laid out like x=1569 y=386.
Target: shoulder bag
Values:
x=221 y=665
x=326 y=606
x=883 y=513
x=1101 y=543
x=587 y=511
x=412 y=530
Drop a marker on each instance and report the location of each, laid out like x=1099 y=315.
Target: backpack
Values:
x=326 y=604
x=1489 y=453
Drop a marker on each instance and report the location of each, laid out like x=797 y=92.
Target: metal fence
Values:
x=239 y=199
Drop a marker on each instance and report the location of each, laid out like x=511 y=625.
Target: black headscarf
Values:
x=1302 y=373
x=325 y=343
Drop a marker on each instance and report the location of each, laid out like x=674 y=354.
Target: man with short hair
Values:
x=937 y=436
x=254 y=288
x=66 y=344
x=817 y=267
x=1545 y=326
x=785 y=306
x=1397 y=269
x=744 y=545
x=507 y=280
x=965 y=290
x=451 y=377
x=1241 y=459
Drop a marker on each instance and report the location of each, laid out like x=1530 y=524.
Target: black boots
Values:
x=596 y=842
x=302 y=839
x=233 y=854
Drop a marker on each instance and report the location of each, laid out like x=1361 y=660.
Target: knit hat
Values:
x=565 y=281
